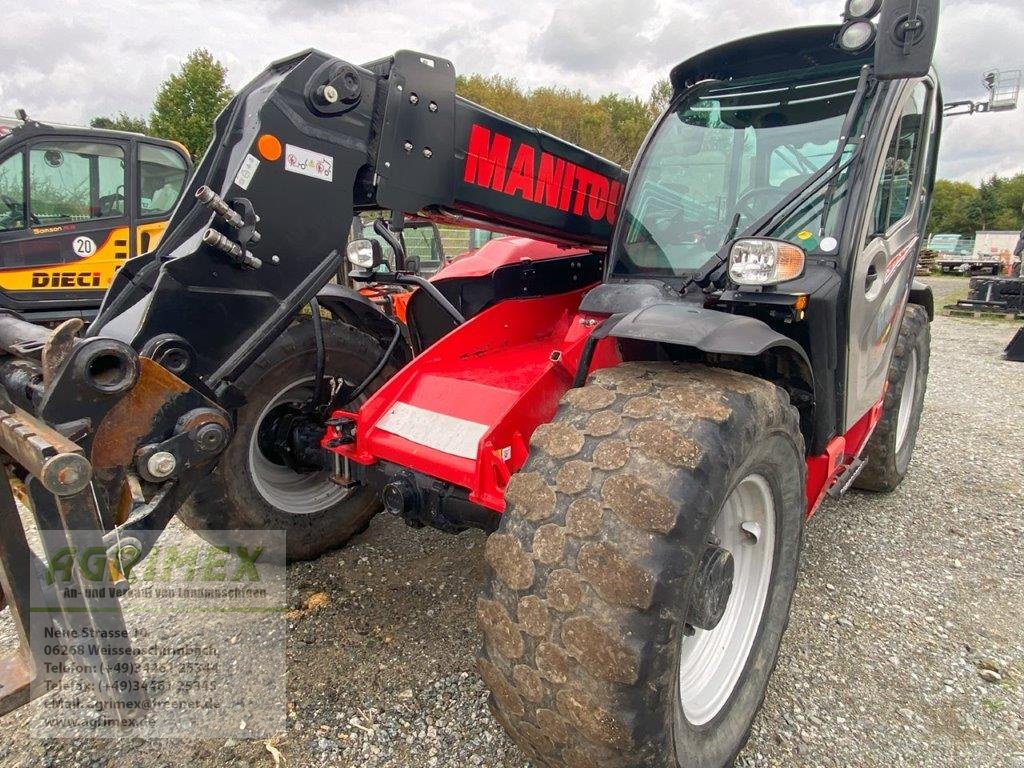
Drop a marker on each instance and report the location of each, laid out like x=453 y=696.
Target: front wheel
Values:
x=253 y=485
x=642 y=574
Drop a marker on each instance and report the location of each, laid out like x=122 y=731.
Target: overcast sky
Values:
x=68 y=60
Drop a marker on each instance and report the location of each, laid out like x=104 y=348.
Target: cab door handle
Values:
x=872 y=280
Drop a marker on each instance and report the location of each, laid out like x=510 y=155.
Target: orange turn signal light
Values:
x=269 y=147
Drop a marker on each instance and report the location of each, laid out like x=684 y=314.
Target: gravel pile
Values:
x=906 y=645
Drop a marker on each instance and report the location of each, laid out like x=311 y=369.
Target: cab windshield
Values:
x=722 y=158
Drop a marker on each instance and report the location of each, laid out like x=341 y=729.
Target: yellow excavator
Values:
x=75 y=204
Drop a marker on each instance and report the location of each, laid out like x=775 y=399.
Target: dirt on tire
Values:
x=590 y=568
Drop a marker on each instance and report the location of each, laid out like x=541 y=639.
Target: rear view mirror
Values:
x=906 y=36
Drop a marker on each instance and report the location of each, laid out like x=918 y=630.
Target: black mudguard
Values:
x=355 y=309
x=921 y=294
x=707 y=330
x=711 y=332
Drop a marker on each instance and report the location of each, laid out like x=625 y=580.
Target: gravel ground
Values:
x=906 y=645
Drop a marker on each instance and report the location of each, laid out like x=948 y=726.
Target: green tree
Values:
x=612 y=125
x=961 y=208
x=952 y=204
x=984 y=209
x=121 y=122
x=661 y=95
x=188 y=102
x=1010 y=199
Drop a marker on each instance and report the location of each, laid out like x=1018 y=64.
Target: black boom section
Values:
x=229 y=312
x=308 y=142
x=527 y=181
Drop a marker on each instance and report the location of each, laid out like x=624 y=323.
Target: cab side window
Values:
x=72 y=181
x=162 y=173
x=12 y=193
x=422 y=243
x=901 y=170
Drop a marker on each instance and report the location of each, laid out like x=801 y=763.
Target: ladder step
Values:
x=847 y=478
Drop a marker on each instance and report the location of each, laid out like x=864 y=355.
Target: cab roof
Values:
x=785 y=50
x=13 y=128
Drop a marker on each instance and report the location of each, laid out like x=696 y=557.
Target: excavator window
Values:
x=12 y=193
x=423 y=243
x=162 y=174
x=72 y=181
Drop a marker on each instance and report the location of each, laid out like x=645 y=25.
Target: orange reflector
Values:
x=269 y=147
x=800 y=304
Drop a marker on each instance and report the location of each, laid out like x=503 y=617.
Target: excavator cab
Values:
x=77 y=203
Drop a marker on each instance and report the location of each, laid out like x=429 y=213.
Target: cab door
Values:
x=892 y=227
x=68 y=231
x=161 y=172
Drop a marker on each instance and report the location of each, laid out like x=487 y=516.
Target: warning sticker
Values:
x=247 y=171
x=308 y=163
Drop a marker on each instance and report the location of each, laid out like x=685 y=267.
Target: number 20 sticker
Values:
x=84 y=246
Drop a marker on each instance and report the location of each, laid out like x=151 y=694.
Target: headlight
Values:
x=362 y=254
x=760 y=261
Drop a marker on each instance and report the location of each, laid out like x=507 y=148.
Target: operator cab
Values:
x=76 y=204
x=784 y=194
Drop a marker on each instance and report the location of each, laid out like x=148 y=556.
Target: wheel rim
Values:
x=906 y=401
x=711 y=661
x=293 y=492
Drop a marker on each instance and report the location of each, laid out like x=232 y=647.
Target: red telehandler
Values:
x=643 y=420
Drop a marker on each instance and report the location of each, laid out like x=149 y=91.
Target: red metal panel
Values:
x=507 y=368
x=823 y=470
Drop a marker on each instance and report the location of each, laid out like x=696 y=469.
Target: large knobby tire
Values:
x=247 y=490
x=891 y=446
x=586 y=610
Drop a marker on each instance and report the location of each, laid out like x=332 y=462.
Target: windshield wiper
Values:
x=828 y=172
x=732 y=231
x=830 y=191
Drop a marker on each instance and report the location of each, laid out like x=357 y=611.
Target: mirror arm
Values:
x=382 y=228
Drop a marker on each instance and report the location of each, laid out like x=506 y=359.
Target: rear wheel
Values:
x=253 y=485
x=642 y=574
x=888 y=452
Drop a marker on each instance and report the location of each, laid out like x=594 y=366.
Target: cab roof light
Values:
x=862 y=9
